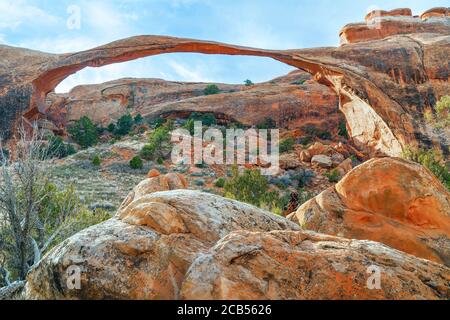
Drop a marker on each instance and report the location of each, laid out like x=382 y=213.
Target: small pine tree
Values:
x=287 y=145
x=96 y=161
x=138 y=119
x=248 y=83
x=84 y=132
x=124 y=125
x=211 y=89
x=136 y=163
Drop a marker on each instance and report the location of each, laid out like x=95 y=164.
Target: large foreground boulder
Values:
x=388 y=200
x=145 y=251
x=307 y=265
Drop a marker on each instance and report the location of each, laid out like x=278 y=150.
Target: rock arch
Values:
x=380 y=105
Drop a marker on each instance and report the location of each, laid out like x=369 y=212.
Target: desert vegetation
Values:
x=35 y=214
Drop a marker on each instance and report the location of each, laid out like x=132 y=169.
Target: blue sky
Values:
x=270 y=24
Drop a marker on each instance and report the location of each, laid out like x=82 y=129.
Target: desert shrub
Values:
x=138 y=119
x=431 y=160
x=36 y=214
x=306 y=140
x=298 y=82
x=211 y=89
x=189 y=125
x=303 y=176
x=342 y=130
x=136 y=163
x=287 y=145
x=111 y=127
x=441 y=118
x=207 y=119
x=159 y=144
x=253 y=188
x=304 y=196
x=158 y=122
x=313 y=131
x=333 y=176
x=57 y=148
x=268 y=123
x=248 y=83
x=84 y=132
x=96 y=161
x=219 y=183
x=124 y=125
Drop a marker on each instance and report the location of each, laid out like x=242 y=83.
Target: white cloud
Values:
x=187 y=74
x=18 y=12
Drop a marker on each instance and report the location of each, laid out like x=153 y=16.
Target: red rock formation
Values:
x=436 y=12
x=388 y=200
x=283 y=99
x=384 y=84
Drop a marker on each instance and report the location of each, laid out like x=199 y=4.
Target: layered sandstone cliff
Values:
x=386 y=77
x=293 y=101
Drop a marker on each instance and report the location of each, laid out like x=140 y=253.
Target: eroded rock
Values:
x=145 y=251
x=389 y=200
x=285 y=265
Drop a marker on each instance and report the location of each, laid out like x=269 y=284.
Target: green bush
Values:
x=333 y=176
x=268 y=123
x=136 y=163
x=158 y=122
x=207 y=119
x=252 y=187
x=159 y=144
x=111 y=128
x=287 y=145
x=190 y=126
x=59 y=215
x=138 y=119
x=313 y=131
x=248 y=83
x=211 y=89
x=298 y=82
x=219 y=183
x=441 y=118
x=57 y=148
x=305 y=140
x=430 y=160
x=96 y=161
x=84 y=132
x=342 y=130
x=124 y=125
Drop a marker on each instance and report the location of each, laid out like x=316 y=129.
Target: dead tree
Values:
x=26 y=229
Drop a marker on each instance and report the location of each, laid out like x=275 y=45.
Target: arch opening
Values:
x=182 y=67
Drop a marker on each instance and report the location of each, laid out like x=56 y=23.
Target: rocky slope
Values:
x=386 y=76
x=183 y=244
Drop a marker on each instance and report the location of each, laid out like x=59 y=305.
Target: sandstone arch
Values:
x=381 y=83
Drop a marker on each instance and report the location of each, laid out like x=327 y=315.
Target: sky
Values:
x=61 y=26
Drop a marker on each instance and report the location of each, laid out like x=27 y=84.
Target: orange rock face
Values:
x=388 y=200
x=386 y=77
x=290 y=104
x=288 y=265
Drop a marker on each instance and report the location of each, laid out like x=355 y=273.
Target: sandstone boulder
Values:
x=388 y=200
x=289 y=161
x=345 y=167
x=322 y=161
x=144 y=252
x=283 y=265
